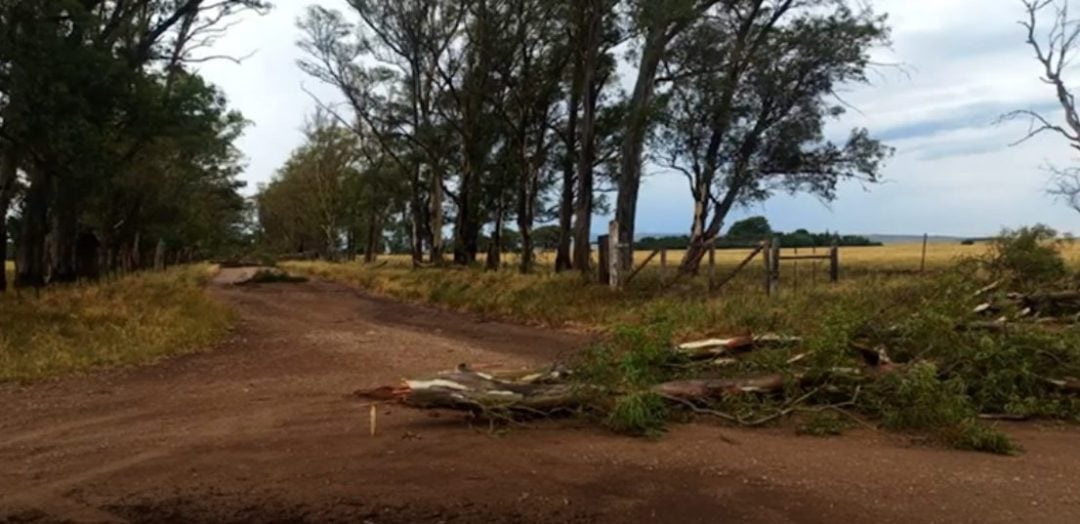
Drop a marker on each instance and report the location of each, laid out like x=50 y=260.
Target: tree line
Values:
x=114 y=153
x=751 y=231
x=464 y=119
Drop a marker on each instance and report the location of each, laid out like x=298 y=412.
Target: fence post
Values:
x=774 y=271
x=925 y=240
x=795 y=279
x=663 y=265
x=712 y=265
x=767 y=257
x=603 y=266
x=834 y=263
x=615 y=256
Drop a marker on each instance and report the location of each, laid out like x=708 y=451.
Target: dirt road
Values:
x=263 y=429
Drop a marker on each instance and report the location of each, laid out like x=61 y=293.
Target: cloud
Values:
x=963 y=64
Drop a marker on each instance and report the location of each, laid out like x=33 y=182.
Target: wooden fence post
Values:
x=925 y=240
x=615 y=256
x=663 y=265
x=604 y=265
x=712 y=265
x=774 y=270
x=795 y=269
x=767 y=257
x=834 y=263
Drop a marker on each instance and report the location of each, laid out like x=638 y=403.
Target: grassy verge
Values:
x=134 y=320
x=939 y=382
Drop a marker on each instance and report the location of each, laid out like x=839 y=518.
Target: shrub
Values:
x=1027 y=256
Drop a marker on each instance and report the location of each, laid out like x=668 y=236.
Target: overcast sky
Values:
x=954 y=173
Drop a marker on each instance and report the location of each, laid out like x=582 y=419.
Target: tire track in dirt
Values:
x=263 y=428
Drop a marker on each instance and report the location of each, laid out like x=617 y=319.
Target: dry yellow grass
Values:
x=132 y=320
x=893 y=257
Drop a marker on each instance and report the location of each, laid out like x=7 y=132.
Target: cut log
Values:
x=466 y=390
x=1067 y=384
x=718 y=347
x=716 y=388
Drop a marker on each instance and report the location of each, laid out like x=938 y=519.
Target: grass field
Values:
x=550 y=299
x=893 y=257
x=132 y=320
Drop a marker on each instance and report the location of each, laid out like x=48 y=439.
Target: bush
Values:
x=1027 y=256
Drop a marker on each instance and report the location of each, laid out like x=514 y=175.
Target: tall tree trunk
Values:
x=637 y=125
x=563 y=261
x=583 y=213
x=350 y=242
x=495 y=248
x=9 y=166
x=35 y=225
x=3 y=245
x=87 y=256
x=159 y=255
x=525 y=217
x=467 y=224
x=417 y=226
x=371 y=245
x=62 y=240
x=436 y=214
x=136 y=252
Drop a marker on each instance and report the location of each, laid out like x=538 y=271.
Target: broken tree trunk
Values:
x=717 y=347
x=466 y=390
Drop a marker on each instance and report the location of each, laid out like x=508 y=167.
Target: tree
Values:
x=594 y=38
x=335 y=191
x=747 y=116
x=753 y=228
x=85 y=88
x=396 y=99
x=1054 y=48
x=548 y=238
x=657 y=23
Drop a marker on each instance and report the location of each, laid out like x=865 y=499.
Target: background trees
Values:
x=508 y=107
x=332 y=197
x=108 y=143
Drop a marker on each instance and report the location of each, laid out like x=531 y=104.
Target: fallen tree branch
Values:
x=718 y=347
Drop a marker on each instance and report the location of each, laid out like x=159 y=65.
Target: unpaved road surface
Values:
x=263 y=429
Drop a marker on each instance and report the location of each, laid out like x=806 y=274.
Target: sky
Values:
x=959 y=65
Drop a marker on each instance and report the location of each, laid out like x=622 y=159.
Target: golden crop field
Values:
x=893 y=257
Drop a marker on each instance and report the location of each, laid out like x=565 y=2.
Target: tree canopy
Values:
x=110 y=145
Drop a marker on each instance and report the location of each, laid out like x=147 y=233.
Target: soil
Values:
x=264 y=428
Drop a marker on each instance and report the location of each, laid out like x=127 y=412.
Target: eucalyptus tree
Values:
x=655 y=25
x=385 y=67
x=751 y=94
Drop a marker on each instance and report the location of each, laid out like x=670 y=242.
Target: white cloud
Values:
x=965 y=63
